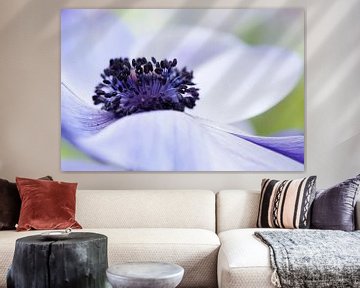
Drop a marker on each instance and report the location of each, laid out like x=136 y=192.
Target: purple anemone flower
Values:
x=132 y=104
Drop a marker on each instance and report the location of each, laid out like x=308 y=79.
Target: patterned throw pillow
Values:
x=286 y=204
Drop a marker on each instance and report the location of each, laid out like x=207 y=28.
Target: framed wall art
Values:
x=182 y=90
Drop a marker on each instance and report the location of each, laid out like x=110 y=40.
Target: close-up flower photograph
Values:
x=182 y=89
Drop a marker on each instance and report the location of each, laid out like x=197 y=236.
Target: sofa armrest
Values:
x=357 y=215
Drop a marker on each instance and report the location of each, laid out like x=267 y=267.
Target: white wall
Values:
x=30 y=95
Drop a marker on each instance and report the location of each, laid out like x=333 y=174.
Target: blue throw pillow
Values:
x=334 y=208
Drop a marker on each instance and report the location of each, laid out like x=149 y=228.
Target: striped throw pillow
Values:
x=286 y=204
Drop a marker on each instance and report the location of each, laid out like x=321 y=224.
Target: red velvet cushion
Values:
x=10 y=204
x=46 y=204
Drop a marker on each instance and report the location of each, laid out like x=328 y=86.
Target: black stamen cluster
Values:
x=140 y=85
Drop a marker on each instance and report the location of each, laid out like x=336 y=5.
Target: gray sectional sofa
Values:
x=209 y=234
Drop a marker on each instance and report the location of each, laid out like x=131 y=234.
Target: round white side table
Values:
x=145 y=275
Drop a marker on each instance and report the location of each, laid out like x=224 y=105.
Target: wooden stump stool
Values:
x=79 y=261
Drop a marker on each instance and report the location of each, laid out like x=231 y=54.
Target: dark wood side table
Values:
x=78 y=261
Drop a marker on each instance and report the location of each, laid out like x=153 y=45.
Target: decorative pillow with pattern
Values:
x=286 y=204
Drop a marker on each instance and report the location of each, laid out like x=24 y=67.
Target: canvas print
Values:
x=182 y=90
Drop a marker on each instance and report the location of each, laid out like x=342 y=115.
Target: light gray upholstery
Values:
x=236 y=209
x=244 y=261
x=175 y=226
x=146 y=209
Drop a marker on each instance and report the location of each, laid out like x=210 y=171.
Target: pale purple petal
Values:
x=175 y=141
x=243 y=83
x=79 y=119
x=289 y=146
x=89 y=39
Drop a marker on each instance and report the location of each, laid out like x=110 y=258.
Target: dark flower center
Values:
x=144 y=85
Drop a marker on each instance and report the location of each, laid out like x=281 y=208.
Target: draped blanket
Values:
x=313 y=258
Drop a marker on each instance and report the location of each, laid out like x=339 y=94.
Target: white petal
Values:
x=175 y=141
x=243 y=83
x=191 y=45
x=89 y=39
x=245 y=127
x=78 y=119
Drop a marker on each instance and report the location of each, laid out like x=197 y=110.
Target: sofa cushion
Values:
x=10 y=204
x=286 y=204
x=46 y=204
x=244 y=261
x=236 y=209
x=194 y=249
x=146 y=209
x=334 y=208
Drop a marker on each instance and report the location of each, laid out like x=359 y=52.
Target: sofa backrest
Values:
x=239 y=209
x=146 y=209
x=236 y=209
